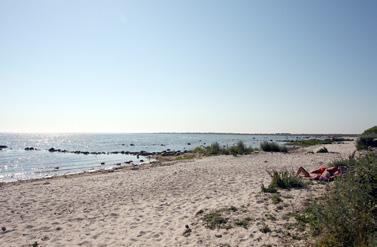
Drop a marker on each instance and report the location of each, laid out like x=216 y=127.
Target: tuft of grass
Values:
x=273 y=147
x=225 y=218
x=285 y=180
x=215 y=149
x=367 y=139
x=347 y=214
x=215 y=220
x=323 y=150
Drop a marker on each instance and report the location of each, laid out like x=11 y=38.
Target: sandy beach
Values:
x=151 y=207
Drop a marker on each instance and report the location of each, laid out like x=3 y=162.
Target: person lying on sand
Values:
x=323 y=173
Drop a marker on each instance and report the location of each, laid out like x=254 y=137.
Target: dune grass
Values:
x=282 y=180
x=273 y=147
x=215 y=149
x=285 y=180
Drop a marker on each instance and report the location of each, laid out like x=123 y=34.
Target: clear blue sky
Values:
x=194 y=65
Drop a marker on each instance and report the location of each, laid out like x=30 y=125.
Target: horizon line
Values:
x=187 y=132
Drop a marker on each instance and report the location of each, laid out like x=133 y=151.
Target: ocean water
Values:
x=18 y=164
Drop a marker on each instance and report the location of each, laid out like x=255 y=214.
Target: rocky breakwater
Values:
x=167 y=152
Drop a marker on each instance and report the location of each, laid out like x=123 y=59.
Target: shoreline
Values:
x=151 y=207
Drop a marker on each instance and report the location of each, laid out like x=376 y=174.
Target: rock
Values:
x=218 y=236
x=3 y=147
x=57 y=168
x=102 y=163
x=30 y=149
x=132 y=145
x=189 y=144
x=52 y=150
x=118 y=164
x=3 y=228
x=187 y=231
x=141 y=161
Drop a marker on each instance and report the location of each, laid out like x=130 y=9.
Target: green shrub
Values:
x=347 y=215
x=273 y=147
x=367 y=139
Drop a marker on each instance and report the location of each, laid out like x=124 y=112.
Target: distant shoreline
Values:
x=176 y=133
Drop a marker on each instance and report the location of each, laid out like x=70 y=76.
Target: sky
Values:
x=188 y=66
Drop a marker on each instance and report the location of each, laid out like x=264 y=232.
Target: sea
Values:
x=18 y=164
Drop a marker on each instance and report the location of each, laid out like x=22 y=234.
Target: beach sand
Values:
x=151 y=207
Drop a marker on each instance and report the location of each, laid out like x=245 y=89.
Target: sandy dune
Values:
x=151 y=207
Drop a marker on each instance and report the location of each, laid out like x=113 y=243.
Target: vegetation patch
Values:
x=282 y=180
x=285 y=180
x=273 y=147
x=347 y=215
x=215 y=149
x=310 y=142
x=225 y=218
x=268 y=189
x=215 y=220
x=367 y=139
